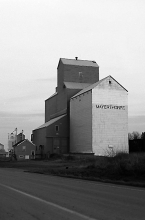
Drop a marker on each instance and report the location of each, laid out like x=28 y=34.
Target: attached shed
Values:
x=52 y=137
x=24 y=150
x=99 y=119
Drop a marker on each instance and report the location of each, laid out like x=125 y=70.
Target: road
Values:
x=29 y=196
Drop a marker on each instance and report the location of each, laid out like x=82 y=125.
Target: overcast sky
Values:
x=35 y=34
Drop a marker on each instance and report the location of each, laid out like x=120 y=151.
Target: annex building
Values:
x=85 y=114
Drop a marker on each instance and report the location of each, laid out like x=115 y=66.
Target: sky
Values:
x=35 y=34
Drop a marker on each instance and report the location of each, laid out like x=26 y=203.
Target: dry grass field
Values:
x=121 y=169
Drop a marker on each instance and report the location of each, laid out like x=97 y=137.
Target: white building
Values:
x=11 y=141
x=99 y=119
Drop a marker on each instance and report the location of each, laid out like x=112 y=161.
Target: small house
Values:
x=24 y=150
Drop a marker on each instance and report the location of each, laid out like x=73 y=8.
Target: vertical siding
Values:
x=82 y=74
x=62 y=100
x=55 y=104
x=109 y=124
x=81 y=124
x=63 y=132
x=63 y=128
x=71 y=92
x=50 y=107
x=60 y=76
x=39 y=137
x=74 y=73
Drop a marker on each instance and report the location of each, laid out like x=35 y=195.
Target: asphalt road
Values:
x=26 y=196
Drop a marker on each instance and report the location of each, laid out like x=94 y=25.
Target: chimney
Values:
x=76 y=58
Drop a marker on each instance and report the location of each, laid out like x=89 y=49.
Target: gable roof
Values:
x=50 y=122
x=18 y=143
x=94 y=85
x=15 y=145
x=78 y=62
x=75 y=85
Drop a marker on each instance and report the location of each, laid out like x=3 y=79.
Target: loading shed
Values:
x=52 y=137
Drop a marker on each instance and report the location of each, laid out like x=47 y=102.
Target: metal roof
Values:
x=52 y=96
x=79 y=62
x=50 y=122
x=74 y=85
x=94 y=85
x=20 y=142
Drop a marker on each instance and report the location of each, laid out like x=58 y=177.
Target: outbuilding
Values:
x=99 y=119
x=52 y=137
x=24 y=150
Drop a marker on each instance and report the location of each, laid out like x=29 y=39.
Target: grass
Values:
x=122 y=168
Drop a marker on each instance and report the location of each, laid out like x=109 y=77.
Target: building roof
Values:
x=94 y=85
x=74 y=85
x=18 y=143
x=15 y=145
x=78 y=62
x=57 y=114
x=52 y=96
x=50 y=122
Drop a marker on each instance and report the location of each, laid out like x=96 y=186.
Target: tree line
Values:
x=136 y=135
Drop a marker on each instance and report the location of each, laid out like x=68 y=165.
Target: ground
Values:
x=122 y=169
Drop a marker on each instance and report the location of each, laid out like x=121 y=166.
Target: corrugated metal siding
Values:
x=61 y=134
x=60 y=76
x=55 y=104
x=76 y=73
x=81 y=74
x=62 y=100
x=39 y=137
x=62 y=122
x=109 y=123
x=52 y=121
x=45 y=134
x=81 y=124
x=50 y=107
x=71 y=92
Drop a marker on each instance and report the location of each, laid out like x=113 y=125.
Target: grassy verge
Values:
x=122 y=169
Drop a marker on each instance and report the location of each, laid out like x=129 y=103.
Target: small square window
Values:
x=56 y=128
x=23 y=148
